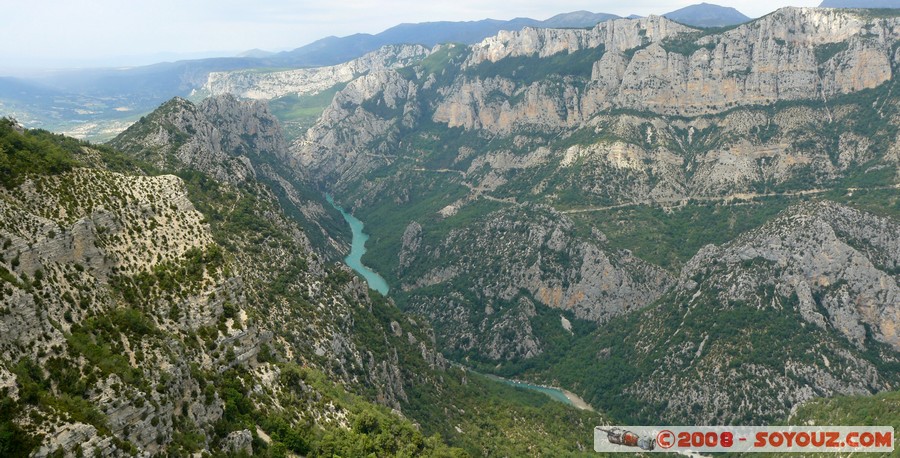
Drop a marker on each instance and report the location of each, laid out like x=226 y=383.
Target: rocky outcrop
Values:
x=218 y=137
x=802 y=307
x=629 y=112
x=782 y=56
x=73 y=247
x=490 y=272
x=142 y=314
x=364 y=135
x=254 y=84
x=839 y=262
x=236 y=142
x=696 y=125
x=616 y=35
x=657 y=66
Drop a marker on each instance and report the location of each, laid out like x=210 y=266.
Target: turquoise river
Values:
x=358 y=249
x=354 y=260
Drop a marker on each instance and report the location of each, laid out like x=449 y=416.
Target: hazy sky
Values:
x=79 y=33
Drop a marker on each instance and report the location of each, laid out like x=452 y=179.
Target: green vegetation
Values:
x=448 y=56
x=377 y=106
x=884 y=202
x=825 y=52
x=29 y=152
x=372 y=431
x=495 y=418
x=530 y=69
x=877 y=13
x=668 y=237
x=878 y=410
x=98 y=339
x=172 y=280
x=385 y=222
x=37 y=389
x=14 y=441
x=687 y=44
x=39 y=152
x=299 y=113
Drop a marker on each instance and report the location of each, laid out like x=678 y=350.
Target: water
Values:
x=358 y=249
x=554 y=393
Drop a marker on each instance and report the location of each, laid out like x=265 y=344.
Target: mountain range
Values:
x=677 y=225
x=97 y=103
x=641 y=188
x=707 y=15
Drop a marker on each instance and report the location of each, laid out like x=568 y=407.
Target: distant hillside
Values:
x=256 y=53
x=860 y=4
x=577 y=19
x=106 y=96
x=335 y=50
x=707 y=15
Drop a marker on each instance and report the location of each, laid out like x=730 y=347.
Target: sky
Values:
x=91 y=33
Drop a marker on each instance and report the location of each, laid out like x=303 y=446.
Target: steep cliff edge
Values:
x=154 y=314
x=234 y=142
x=262 y=85
x=562 y=88
x=537 y=273
x=445 y=158
x=146 y=313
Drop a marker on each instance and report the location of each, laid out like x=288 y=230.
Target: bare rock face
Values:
x=66 y=240
x=792 y=54
x=412 y=240
x=675 y=112
x=774 y=58
x=219 y=137
x=618 y=35
x=236 y=142
x=522 y=250
x=137 y=309
x=806 y=303
x=838 y=261
x=239 y=442
x=392 y=103
x=253 y=84
x=629 y=112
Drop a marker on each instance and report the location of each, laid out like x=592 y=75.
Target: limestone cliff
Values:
x=143 y=313
x=802 y=307
x=658 y=66
x=234 y=141
x=535 y=257
x=539 y=87
x=445 y=159
x=254 y=84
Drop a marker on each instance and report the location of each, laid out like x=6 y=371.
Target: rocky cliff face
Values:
x=361 y=135
x=253 y=84
x=539 y=86
x=839 y=262
x=801 y=307
x=534 y=257
x=658 y=66
x=67 y=240
x=151 y=314
x=234 y=141
x=634 y=115
x=215 y=137
x=617 y=35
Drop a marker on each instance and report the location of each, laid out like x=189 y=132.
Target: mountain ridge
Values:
x=707 y=15
x=591 y=123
